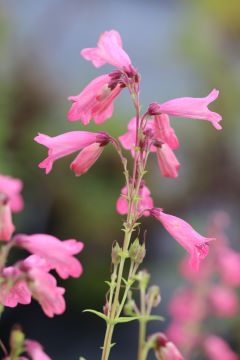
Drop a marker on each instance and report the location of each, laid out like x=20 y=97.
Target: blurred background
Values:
x=181 y=48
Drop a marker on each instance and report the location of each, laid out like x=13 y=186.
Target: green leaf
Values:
x=146 y=318
x=98 y=313
x=125 y=319
x=151 y=318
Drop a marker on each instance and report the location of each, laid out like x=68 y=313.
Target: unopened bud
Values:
x=137 y=252
x=154 y=109
x=116 y=251
x=153 y=296
x=105 y=309
x=129 y=307
x=143 y=278
x=17 y=339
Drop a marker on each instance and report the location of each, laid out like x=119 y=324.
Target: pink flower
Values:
x=66 y=144
x=6 y=226
x=145 y=202
x=44 y=289
x=35 y=350
x=57 y=253
x=12 y=187
x=95 y=101
x=14 y=290
x=217 y=348
x=165 y=349
x=228 y=261
x=224 y=301
x=167 y=161
x=194 y=243
x=194 y=312
x=86 y=158
x=109 y=50
x=193 y=108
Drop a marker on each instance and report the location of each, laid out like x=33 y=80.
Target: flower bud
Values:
x=129 y=307
x=153 y=296
x=17 y=339
x=154 y=109
x=143 y=278
x=137 y=252
x=116 y=250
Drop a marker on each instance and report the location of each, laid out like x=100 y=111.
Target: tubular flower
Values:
x=95 y=101
x=167 y=161
x=145 y=201
x=193 y=108
x=109 y=50
x=12 y=187
x=6 y=226
x=58 y=254
x=194 y=243
x=217 y=348
x=35 y=350
x=86 y=158
x=68 y=143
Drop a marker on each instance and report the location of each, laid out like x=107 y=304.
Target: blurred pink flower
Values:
x=95 y=101
x=228 y=261
x=224 y=301
x=194 y=312
x=217 y=349
x=35 y=350
x=44 y=289
x=145 y=202
x=14 y=289
x=193 y=108
x=66 y=144
x=6 y=225
x=12 y=187
x=109 y=50
x=194 y=243
x=57 y=253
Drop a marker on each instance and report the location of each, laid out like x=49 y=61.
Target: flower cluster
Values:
x=210 y=293
x=150 y=132
x=31 y=277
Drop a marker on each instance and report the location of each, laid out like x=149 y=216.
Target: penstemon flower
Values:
x=147 y=133
x=150 y=132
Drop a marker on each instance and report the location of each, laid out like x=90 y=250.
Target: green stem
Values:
x=113 y=309
x=142 y=326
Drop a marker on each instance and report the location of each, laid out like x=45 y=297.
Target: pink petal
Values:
x=193 y=108
x=109 y=50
